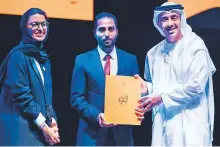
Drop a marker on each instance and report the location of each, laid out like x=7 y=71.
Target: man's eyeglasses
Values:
x=36 y=25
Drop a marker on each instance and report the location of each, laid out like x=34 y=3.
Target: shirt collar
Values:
x=103 y=54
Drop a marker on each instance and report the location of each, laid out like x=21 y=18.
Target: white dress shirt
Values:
x=113 y=60
x=40 y=119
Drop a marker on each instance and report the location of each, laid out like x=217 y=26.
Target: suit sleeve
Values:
x=53 y=112
x=17 y=82
x=135 y=66
x=78 y=98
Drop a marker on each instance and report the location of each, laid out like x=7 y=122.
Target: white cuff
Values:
x=39 y=120
x=53 y=120
x=149 y=87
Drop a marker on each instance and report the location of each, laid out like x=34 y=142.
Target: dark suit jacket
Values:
x=23 y=97
x=87 y=97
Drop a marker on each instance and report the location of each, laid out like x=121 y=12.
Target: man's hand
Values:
x=148 y=102
x=102 y=121
x=49 y=134
x=144 y=88
x=139 y=111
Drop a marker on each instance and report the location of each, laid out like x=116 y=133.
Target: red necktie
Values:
x=107 y=66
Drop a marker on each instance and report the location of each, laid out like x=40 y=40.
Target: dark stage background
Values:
x=137 y=35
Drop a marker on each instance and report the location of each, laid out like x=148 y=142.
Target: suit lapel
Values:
x=97 y=65
x=34 y=66
x=120 y=62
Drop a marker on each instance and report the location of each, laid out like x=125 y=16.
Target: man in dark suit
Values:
x=88 y=86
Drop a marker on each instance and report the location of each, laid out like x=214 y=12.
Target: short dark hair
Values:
x=102 y=15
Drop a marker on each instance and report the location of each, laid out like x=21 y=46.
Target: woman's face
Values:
x=37 y=27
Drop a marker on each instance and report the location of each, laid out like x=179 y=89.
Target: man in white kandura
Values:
x=179 y=86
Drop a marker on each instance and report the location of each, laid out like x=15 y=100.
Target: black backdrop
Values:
x=137 y=35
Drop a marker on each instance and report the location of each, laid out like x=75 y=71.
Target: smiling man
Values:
x=179 y=86
x=88 y=86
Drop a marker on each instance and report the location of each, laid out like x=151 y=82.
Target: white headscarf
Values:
x=184 y=26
